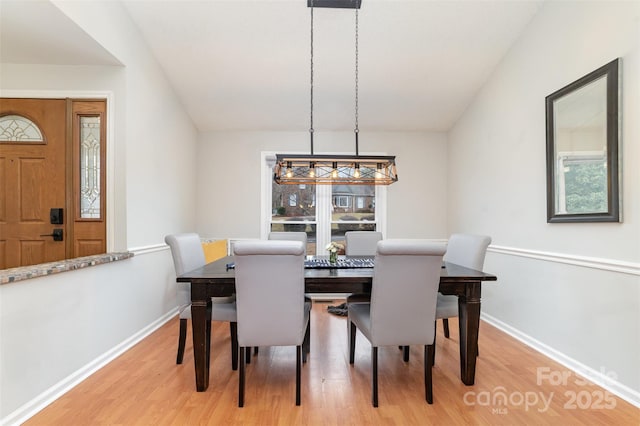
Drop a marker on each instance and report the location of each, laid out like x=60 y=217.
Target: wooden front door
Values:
x=32 y=181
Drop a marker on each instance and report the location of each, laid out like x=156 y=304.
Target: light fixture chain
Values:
x=335 y=169
x=311 y=82
x=356 y=129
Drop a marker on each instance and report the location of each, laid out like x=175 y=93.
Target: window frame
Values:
x=340 y=199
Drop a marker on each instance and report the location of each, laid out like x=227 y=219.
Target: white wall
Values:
x=56 y=329
x=559 y=284
x=495 y=163
x=160 y=139
x=229 y=173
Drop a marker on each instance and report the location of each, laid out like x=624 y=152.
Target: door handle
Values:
x=56 y=234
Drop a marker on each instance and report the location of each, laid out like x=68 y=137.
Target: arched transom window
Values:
x=16 y=128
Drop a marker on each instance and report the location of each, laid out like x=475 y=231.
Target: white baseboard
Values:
x=327 y=297
x=32 y=407
x=598 y=377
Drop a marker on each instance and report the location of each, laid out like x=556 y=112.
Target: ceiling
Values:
x=245 y=65
x=37 y=32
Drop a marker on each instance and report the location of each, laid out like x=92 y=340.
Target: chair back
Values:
x=289 y=236
x=467 y=250
x=405 y=284
x=187 y=253
x=270 y=292
x=361 y=243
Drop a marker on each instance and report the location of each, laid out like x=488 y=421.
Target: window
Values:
x=350 y=216
x=341 y=201
x=294 y=216
x=324 y=212
x=16 y=128
x=90 y=188
x=582 y=182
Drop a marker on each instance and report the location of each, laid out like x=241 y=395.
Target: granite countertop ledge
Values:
x=26 y=272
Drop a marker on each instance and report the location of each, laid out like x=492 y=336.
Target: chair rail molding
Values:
x=148 y=249
x=611 y=265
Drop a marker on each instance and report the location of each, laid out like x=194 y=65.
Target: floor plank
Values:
x=144 y=386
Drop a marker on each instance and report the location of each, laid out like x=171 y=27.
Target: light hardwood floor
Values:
x=144 y=386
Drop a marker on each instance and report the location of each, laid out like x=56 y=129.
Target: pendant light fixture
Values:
x=335 y=169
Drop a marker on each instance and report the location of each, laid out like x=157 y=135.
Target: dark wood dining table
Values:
x=217 y=279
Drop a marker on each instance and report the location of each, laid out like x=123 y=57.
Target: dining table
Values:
x=217 y=279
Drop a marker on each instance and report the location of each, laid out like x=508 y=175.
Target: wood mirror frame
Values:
x=582 y=125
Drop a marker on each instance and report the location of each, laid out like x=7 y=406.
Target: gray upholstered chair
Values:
x=465 y=250
x=289 y=236
x=187 y=253
x=361 y=243
x=404 y=290
x=292 y=236
x=270 y=300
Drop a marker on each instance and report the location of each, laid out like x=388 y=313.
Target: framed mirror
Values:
x=582 y=149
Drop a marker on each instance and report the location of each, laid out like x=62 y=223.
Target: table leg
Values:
x=201 y=326
x=469 y=324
